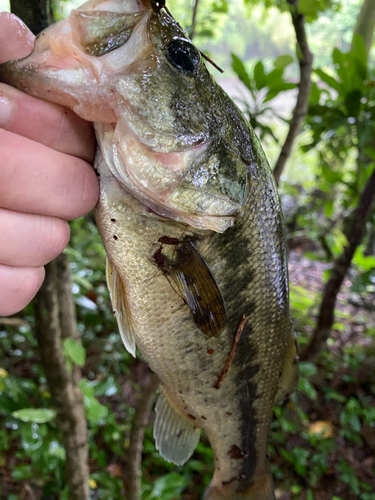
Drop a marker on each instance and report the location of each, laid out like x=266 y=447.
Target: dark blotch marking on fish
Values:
x=210 y=351
x=204 y=418
x=235 y=245
x=115 y=237
x=236 y=453
x=179 y=434
x=191 y=416
x=113 y=220
x=248 y=419
x=167 y=240
x=229 y=413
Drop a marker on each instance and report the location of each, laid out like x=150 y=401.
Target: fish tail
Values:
x=262 y=489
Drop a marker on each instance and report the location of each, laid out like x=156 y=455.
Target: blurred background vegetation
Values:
x=322 y=442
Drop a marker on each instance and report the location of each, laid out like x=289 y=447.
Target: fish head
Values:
x=167 y=131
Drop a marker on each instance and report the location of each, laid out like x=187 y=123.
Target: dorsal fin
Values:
x=175 y=436
x=120 y=307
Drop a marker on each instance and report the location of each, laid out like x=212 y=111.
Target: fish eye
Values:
x=183 y=56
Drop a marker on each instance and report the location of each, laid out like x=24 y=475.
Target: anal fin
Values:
x=120 y=307
x=175 y=437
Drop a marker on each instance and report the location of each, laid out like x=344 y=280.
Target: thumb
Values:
x=16 y=40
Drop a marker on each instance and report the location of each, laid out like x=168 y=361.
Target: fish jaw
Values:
x=64 y=66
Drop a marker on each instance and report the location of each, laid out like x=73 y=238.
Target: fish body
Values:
x=192 y=226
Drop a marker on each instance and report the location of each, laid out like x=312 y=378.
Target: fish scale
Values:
x=192 y=227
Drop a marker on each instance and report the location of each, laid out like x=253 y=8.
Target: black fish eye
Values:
x=183 y=56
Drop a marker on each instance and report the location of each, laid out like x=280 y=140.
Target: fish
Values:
x=192 y=226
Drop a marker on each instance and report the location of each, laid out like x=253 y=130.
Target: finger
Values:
x=18 y=286
x=36 y=179
x=16 y=40
x=52 y=125
x=31 y=240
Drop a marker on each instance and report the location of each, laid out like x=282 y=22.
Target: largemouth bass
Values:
x=192 y=226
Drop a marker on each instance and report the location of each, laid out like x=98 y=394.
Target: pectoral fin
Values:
x=197 y=285
x=175 y=437
x=120 y=307
x=289 y=376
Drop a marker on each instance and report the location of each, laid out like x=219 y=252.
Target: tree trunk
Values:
x=53 y=302
x=140 y=421
x=365 y=24
x=36 y=14
x=304 y=88
x=354 y=234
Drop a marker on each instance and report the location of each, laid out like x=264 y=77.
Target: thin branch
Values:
x=224 y=371
x=65 y=394
x=140 y=421
x=194 y=20
x=354 y=234
x=14 y=322
x=302 y=104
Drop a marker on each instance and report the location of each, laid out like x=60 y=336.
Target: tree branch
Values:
x=365 y=24
x=54 y=302
x=140 y=421
x=194 y=20
x=354 y=234
x=302 y=104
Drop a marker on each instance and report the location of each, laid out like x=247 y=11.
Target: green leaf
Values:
x=95 y=410
x=359 y=51
x=308 y=369
x=260 y=76
x=310 y=8
x=240 y=70
x=38 y=416
x=330 y=176
x=329 y=208
x=329 y=80
x=283 y=61
x=315 y=94
x=221 y=6
x=74 y=351
x=307 y=388
x=207 y=32
x=353 y=102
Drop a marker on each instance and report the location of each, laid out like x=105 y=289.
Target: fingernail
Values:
x=6 y=110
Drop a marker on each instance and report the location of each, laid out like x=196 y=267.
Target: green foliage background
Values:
x=332 y=160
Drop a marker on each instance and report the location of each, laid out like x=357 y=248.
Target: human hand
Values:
x=45 y=178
